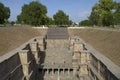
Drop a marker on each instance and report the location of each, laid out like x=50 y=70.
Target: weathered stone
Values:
x=41 y=40
x=83 y=58
x=77 y=46
x=34 y=46
x=83 y=70
x=24 y=56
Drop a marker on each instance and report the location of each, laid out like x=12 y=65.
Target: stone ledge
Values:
x=110 y=65
x=15 y=51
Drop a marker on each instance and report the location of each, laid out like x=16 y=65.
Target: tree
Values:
x=70 y=22
x=33 y=14
x=61 y=18
x=85 y=23
x=4 y=13
x=102 y=13
x=117 y=14
x=49 y=21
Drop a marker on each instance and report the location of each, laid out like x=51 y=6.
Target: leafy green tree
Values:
x=12 y=23
x=102 y=13
x=61 y=18
x=85 y=23
x=117 y=14
x=33 y=14
x=70 y=22
x=4 y=13
x=49 y=21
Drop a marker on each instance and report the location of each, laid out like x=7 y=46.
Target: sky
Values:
x=77 y=10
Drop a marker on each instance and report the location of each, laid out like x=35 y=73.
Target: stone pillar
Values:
x=63 y=71
x=52 y=72
x=83 y=67
x=74 y=71
x=78 y=46
x=58 y=74
x=41 y=43
x=83 y=70
x=24 y=58
x=75 y=63
x=83 y=57
x=34 y=49
x=72 y=40
x=76 y=55
x=88 y=57
x=47 y=71
x=98 y=66
x=68 y=72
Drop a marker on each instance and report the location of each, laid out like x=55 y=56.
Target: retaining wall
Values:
x=92 y=63
x=22 y=63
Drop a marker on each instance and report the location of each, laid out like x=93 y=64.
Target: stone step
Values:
x=57 y=33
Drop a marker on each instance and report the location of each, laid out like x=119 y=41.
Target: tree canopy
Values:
x=117 y=14
x=61 y=18
x=4 y=13
x=105 y=13
x=102 y=13
x=34 y=14
x=85 y=23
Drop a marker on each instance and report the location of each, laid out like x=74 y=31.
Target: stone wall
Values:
x=80 y=57
x=10 y=67
x=57 y=43
x=98 y=70
x=88 y=63
x=23 y=65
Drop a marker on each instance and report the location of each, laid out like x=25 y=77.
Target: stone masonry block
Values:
x=33 y=46
x=26 y=69
x=41 y=47
x=83 y=70
x=76 y=55
x=24 y=56
x=83 y=57
x=78 y=46
x=40 y=40
x=36 y=56
x=75 y=64
x=88 y=57
x=73 y=39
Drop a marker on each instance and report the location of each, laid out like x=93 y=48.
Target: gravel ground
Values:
x=11 y=38
x=106 y=42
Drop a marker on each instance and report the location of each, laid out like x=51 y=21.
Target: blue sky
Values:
x=76 y=9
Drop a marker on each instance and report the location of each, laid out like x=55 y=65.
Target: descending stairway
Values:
x=57 y=33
